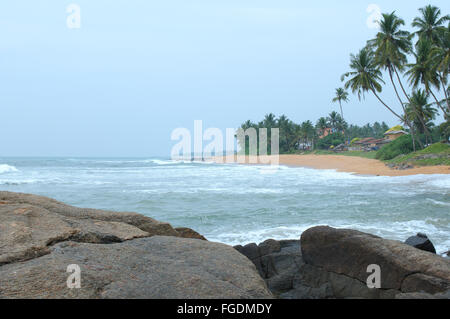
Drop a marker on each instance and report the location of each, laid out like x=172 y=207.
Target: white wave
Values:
x=4 y=168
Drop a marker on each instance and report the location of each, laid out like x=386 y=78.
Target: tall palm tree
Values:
x=424 y=70
x=440 y=56
x=365 y=76
x=430 y=23
x=391 y=45
x=340 y=96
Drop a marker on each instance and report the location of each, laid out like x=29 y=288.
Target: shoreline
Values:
x=350 y=164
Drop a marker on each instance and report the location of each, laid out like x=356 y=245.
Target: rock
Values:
x=146 y=224
x=156 y=267
x=422 y=242
x=349 y=253
x=121 y=255
x=277 y=262
x=189 y=233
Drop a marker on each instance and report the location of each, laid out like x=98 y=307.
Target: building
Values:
x=368 y=144
x=393 y=135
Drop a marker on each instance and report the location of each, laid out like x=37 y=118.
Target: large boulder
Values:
x=421 y=241
x=121 y=255
x=156 y=267
x=349 y=253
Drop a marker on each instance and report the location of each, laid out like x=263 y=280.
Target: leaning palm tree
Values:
x=430 y=23
x=365 y=77
x=424 y=71
x=341 y=96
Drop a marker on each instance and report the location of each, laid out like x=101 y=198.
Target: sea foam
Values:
x=4 y=168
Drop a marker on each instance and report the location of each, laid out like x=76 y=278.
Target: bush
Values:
x=330 y=140
x=402 y=145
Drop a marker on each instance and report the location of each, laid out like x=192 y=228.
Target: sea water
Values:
x=239 y=204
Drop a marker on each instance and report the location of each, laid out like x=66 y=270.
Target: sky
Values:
x=136 y=70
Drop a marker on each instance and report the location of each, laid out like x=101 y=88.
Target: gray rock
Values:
x=156 y=267
x=349 y=253
x=422 y=242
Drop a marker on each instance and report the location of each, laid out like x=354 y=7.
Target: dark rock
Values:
x=156 y=267
x=421 y=242
x=349 y=253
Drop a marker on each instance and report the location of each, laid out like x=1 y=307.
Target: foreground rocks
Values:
x=156 y=267
x=120 y=255
x=331 y=263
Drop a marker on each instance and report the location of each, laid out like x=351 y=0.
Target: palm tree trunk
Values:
x=445 y=91
x=407 y=121
x=340 y=105
x=446 y=115
x=382 y=102
x=401 y=85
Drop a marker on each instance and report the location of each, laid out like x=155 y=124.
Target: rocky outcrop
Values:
x=120 y=255
x=421 y=241
x=332 y=263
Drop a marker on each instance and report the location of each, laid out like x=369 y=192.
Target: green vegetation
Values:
x=402 y=145
x=364 y=154
x=435 y=154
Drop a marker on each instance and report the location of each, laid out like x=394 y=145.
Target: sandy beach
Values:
x=353 y=164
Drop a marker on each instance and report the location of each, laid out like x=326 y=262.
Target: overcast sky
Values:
x=136 y=70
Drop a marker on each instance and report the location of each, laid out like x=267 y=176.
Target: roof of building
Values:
x=395 y=132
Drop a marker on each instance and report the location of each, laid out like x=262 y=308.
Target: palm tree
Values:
x=333 y=119
x=391 y=46
x=424 y=70
x=421 y=112
x=322 y=125
x=430 y=23
x=440 y=56
x=341 y=96
x=365 y=76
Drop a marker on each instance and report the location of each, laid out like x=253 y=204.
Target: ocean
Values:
x=240 y=204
